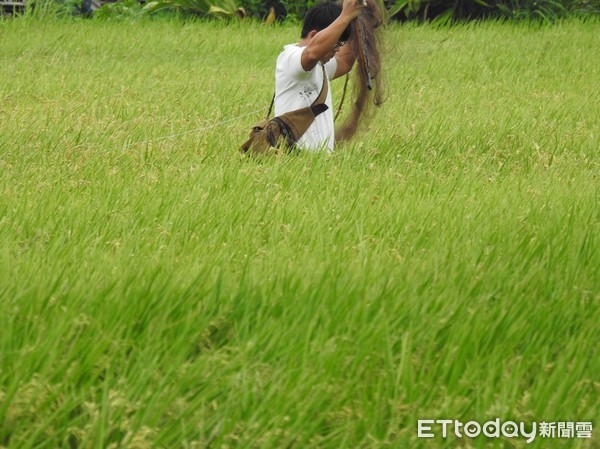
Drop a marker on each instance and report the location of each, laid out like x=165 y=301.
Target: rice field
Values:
x=158 y=290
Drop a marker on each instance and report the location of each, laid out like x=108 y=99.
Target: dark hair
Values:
x=320 y=17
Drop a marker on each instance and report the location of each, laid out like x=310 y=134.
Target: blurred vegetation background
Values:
x=443 y=11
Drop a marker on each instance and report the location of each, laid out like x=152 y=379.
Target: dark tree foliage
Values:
x=425 y=10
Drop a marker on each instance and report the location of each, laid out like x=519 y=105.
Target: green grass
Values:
x=158 y=290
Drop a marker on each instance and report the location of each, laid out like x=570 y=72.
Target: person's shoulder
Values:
x=290 y=60
x=291 y=50
x=292 y=47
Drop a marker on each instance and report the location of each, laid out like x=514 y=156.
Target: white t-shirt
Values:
x=295 y=88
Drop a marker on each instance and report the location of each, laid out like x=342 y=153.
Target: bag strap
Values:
x=323 y=94
x=271 y=106
x=343 y=97
x=320 y=99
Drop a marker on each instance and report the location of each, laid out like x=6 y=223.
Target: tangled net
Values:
x=366 y=43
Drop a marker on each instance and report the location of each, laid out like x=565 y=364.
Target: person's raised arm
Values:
x=321 y=43
x=345 y=57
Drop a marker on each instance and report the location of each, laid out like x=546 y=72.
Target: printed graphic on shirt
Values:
x=307 y=93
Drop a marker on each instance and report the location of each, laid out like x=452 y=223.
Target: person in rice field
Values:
x=299 y=69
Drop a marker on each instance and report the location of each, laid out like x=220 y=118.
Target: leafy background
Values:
x=271 y=10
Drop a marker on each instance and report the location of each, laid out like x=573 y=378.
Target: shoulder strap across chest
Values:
x=320 y=99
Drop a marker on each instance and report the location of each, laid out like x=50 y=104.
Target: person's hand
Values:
x=352 y=8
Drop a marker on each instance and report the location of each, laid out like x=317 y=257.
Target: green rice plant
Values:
x=47 y=9
x=158 y=290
